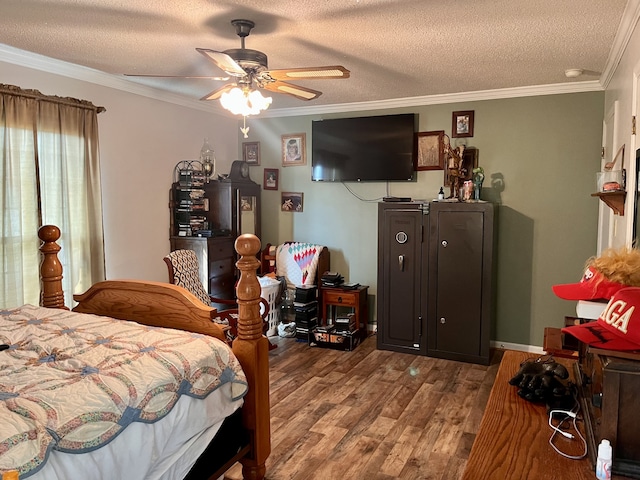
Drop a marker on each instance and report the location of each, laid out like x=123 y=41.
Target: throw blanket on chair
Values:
x=298 y=262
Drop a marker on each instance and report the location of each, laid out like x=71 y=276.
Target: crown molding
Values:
x=77 y=72
x=629 y=20
x=35 y=61
x=531 y=91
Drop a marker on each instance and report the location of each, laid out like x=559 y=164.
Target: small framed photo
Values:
x=246 y=204
x=251 y=152
x=462 y=124
x=271 y=178
x=291 y=202
x=430 y=150
x=294 y=150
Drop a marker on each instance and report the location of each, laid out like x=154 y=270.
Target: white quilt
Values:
x=298 y=262
x=73 y=382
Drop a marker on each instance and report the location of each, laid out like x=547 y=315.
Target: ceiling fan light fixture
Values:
x=244 y=102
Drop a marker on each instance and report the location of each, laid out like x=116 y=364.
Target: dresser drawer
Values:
x=221 y=267
x=221 y=248
x=222 y=286
x=342 y=298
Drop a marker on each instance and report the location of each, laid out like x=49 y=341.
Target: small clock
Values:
x=239 y=171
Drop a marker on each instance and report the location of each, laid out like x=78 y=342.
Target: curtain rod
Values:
x=36 y=95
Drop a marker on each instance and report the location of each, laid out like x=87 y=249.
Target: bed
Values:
x=210 y=410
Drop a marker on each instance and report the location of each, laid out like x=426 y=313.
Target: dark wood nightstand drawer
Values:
x=342 y=298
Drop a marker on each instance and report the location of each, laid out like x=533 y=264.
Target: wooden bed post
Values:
x=50 y=269
x=252 y=349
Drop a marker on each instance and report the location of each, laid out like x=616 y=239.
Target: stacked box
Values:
x=346 y=323
x=305 y=294
x=305 y=306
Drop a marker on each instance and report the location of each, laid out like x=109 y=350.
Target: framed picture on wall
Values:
x=251 y=152
x=430 y=150
x=462 y=124
x=294 y=150
x=291 y=202
x=271 y=178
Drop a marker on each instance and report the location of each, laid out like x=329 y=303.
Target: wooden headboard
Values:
x=268 y=262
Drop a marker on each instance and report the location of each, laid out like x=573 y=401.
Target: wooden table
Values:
x=355 y=299
x=513 y=439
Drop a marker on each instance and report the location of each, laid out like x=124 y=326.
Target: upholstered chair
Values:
x=184 y=271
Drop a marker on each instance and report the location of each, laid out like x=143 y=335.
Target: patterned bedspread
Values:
x=72 y=382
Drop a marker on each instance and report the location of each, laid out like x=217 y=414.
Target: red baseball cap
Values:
x=617 y=327
x=593 y=286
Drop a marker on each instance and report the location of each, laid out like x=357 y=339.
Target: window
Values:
x=49 y=175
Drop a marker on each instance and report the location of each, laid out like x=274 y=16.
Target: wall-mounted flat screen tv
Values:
x=363 y=149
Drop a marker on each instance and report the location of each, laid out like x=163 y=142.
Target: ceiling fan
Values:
x=249 y=69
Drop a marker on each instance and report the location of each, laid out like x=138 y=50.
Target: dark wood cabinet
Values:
x=402 y=267
x=461 y=280
x=234 y=206
x=435 y=278
x=208 y=217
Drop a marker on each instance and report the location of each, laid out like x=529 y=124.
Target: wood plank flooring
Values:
x=371 y=414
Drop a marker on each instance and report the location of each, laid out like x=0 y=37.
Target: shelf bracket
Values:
x=614 y=200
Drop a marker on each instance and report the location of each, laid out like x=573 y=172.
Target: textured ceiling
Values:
x=394 y=48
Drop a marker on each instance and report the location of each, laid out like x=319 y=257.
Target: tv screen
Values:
x=363 y=149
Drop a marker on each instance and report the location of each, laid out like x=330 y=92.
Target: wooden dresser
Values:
x=610 y=391
x=513 y=440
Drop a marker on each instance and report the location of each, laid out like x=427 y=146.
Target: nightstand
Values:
x=355 y=298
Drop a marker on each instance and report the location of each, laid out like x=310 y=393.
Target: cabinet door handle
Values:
x=443 y=320
x=401 y=262
x=445 y=243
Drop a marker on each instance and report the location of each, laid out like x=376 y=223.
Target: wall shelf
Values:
x=615 y=200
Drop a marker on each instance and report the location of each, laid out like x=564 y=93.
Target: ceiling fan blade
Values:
x=333 y=71
x=224 y=61
x=177 y=76
x=216 y=94
x=303 y=93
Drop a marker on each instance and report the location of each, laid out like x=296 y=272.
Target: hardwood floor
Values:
x=371 y=414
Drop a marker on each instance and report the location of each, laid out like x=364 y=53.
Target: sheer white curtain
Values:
x=50 y=174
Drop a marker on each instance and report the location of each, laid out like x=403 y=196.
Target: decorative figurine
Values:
x=478 y=178
x=455 y=159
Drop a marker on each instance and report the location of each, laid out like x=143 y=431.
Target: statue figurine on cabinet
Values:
x=455 y=167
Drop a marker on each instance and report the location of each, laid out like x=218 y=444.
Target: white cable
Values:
x=560 y=431
x=573 y=414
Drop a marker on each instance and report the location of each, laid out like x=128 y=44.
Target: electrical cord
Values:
x=568 y=414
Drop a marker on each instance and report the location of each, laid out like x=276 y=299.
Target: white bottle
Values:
x=441 y=194
x=603 y=464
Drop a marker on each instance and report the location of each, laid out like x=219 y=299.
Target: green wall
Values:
x=540 y=155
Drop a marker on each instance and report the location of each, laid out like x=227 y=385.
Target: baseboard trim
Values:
x=517 y=346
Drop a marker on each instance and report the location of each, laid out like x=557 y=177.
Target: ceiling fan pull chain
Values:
x=244 y=129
